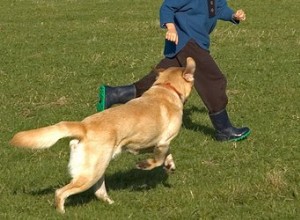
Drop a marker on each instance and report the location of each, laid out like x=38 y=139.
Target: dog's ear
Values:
x=189 y=71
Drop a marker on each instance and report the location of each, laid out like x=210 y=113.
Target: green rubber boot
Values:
x=109 y=96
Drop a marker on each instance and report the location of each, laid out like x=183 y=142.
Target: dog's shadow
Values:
x=132 y=180
x=137 y=180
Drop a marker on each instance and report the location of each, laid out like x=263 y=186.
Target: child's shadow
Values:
x=134 y=180
x=189 y=124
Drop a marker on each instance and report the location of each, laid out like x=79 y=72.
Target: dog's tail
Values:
x=47 y=136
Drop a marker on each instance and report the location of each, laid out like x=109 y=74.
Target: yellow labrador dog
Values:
x=150 y=121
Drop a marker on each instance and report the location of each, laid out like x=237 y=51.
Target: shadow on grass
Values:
x=137 y=180
x=189 y=124
x=134 y=180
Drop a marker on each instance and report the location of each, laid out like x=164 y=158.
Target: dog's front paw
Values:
x=145 y=164
x=169 y=164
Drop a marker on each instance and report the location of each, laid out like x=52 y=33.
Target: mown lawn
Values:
x=55 y=53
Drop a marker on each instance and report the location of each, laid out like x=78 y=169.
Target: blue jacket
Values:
x=194 y=19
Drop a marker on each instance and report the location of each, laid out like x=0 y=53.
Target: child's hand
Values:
x=171 y=34
x=240 y=15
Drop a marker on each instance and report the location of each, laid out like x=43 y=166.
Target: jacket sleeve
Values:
x=168 y=9
x=224 y=12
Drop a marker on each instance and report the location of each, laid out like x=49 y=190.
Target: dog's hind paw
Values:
x=109 y=201
x=60 y=210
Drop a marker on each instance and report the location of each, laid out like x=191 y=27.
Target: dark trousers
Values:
x=210 y=83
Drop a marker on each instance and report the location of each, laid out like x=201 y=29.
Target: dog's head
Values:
x=179 y=79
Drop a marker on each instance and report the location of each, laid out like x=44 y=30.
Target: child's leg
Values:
x=109 y=96
x=210 y=83
x=147 y=81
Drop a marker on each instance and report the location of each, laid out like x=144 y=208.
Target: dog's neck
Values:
x=169 y=86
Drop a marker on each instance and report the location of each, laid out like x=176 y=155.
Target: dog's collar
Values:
x=169 y=86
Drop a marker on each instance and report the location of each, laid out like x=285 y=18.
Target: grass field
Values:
x=55 y=53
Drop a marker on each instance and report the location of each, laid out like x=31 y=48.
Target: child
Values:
x=188 y=24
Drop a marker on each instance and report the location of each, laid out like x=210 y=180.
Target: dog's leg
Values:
x=75 y=186
x=93 y=166
x=100 y=191
x=160 y=153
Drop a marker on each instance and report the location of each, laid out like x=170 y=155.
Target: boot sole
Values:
x=102 y=96
x=225 y=138
x=244 y=136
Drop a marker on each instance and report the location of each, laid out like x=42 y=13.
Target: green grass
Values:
x=55 y=54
